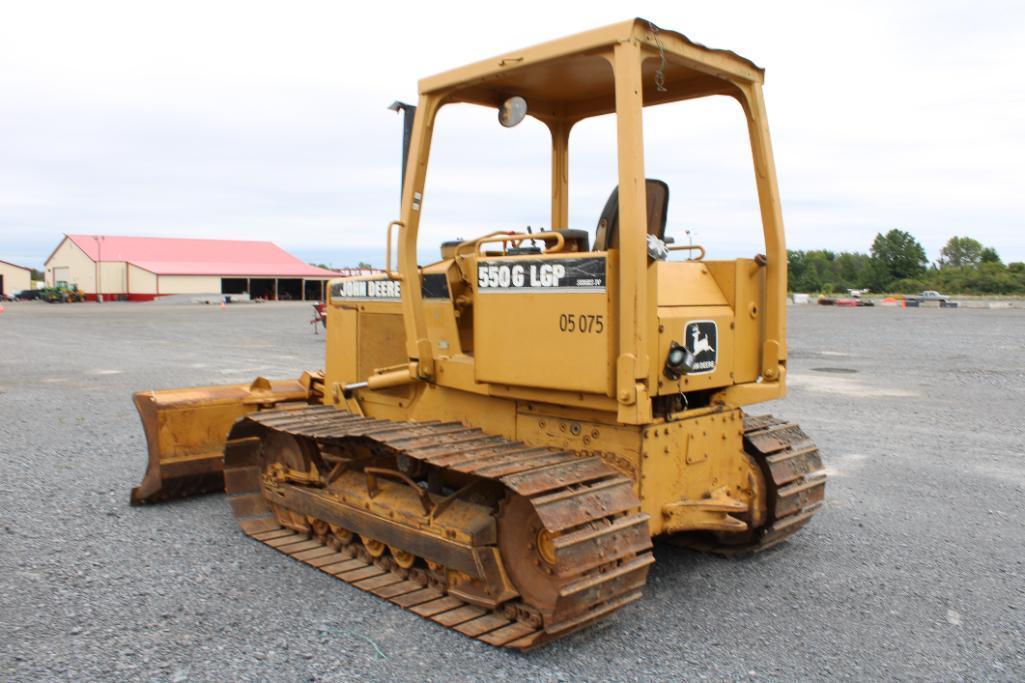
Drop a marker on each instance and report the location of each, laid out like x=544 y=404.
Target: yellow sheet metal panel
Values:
x=540 y=71
x=521 y=339
x=690 y=459
x=543 y=322
x=340 y=351
x=381 y=342
x=688 y=283
x=492 y=415
x=587 y=433
x=725 y=275
x=742 y=282
x=441 y=327
x=707 y=332
x=750 y=308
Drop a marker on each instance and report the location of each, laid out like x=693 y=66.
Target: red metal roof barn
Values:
x=143 y=268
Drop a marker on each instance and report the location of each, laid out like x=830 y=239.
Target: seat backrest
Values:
x=657 y=195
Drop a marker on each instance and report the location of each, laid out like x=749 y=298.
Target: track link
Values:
x=795 y=485
x=601 y=547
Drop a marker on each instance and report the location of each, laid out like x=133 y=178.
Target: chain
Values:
x=660 y=73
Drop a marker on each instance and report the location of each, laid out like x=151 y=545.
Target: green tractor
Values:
x=61 y=293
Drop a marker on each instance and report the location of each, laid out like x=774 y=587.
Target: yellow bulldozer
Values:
x=497 y=436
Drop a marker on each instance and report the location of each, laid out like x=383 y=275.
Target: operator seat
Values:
x=657 y=194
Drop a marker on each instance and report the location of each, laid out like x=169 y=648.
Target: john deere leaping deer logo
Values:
x=702 y=340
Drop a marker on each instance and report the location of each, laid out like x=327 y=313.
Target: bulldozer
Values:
x=497 y=437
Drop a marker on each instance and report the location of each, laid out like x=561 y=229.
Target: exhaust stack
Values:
x=408 y=112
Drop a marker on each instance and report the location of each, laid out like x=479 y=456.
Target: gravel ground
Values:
x=915 y=570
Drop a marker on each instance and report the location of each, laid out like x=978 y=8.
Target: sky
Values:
x=256 y=120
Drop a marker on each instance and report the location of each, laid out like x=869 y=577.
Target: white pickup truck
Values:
x=932 y=295
x=929 y=296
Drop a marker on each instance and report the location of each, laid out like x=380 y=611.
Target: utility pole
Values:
x=99 y=267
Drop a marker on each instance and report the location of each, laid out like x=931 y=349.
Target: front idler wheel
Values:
x=283 y=452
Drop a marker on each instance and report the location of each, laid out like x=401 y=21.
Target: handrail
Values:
x=688 y=247
x=392 y=275
x=475 y=243
x=508 y=236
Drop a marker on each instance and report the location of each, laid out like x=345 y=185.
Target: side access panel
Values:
x=544 y=322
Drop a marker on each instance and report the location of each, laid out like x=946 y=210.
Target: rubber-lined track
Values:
x=601 y=543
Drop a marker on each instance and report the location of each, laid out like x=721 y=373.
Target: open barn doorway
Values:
x=261 y=288
x=313 y=290
x=290 y=289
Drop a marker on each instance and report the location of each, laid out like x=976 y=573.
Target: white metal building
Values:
x=14 y=278
x=144 y=268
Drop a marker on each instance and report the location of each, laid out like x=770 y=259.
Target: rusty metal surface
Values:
x=186 y=430
x=314 y=503
x=601 y=550
x=794 y=478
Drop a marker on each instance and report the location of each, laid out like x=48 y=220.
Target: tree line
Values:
x=897 y=263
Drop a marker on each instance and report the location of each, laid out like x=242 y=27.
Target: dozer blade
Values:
x=186 y=430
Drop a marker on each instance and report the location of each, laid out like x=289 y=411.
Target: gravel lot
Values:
x=915 y=570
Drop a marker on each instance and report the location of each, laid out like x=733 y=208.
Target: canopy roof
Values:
x=177 y=256
x=572 y=77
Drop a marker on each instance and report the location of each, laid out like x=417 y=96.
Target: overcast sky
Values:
x=268 y=121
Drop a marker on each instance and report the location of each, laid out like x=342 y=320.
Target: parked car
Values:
x=931 y=295
x=29 y=295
